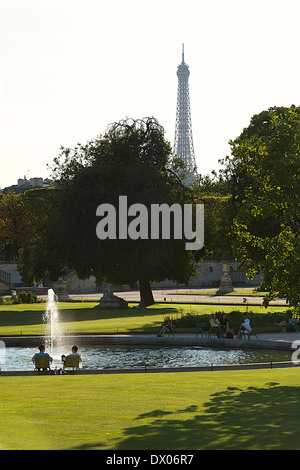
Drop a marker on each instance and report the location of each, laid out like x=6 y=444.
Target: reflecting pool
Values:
x=127 y=357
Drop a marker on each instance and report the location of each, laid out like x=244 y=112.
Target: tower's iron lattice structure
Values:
x=183 y=143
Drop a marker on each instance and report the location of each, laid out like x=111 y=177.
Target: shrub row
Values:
x=189 y=320
x=22 y=298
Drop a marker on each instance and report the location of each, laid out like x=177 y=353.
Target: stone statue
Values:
x=109 y=300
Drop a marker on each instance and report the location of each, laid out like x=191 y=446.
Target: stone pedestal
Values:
x=226 y=281
x=60 y=289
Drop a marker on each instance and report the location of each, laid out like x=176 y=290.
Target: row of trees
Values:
x=251 y=207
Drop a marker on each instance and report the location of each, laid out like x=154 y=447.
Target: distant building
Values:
x=24 y=185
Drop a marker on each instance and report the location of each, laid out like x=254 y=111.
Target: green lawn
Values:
x=202 y=410
x=182 y=411
x=83 y=317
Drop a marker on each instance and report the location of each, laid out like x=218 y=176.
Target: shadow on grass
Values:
x=255 y=418
x=21 y=318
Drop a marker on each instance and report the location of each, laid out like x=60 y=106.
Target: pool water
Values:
x=127 y=357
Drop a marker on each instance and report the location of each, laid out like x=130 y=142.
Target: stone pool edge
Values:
x=152 y=340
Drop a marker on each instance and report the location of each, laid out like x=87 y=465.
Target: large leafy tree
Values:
x=40 y=254
x=131 y=159
x=25 y=219
x=14 y=223
x=264 y=180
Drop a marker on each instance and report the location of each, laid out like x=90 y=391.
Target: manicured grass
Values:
x=202 y=410
x=181 y=411
x=27 y=319
x=83 y=317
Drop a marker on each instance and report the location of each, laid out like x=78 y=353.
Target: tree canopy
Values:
x=259 y=190
x=131 y=159
x=263 y=175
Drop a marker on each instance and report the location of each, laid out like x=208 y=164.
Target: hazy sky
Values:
x=68 y=68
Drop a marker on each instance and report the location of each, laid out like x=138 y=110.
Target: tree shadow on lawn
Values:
x=35 y=317
x=256 y=418
x=21 y=318
x=106 y=314
x=146 y=326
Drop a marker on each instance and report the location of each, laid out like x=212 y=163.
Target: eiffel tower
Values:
x=183 y=143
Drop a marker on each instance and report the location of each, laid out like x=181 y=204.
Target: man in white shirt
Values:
x=73 y=353
x=245 y=326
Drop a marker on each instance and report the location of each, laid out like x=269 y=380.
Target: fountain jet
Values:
x=52 y=324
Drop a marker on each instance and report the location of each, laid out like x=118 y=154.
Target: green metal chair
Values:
x=42 y=363
x=200 y=330
x=252 y=333
x=72 y=362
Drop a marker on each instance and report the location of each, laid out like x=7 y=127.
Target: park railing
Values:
x=5 y=277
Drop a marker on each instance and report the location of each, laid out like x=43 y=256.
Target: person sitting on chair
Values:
x=291 y=322
x=72 y=354
x=224 y=325
x=245 y=327
x=215 y=325
x=166 y=327
x=42 y=353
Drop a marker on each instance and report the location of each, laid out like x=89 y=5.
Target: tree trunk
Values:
x=146 y=292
